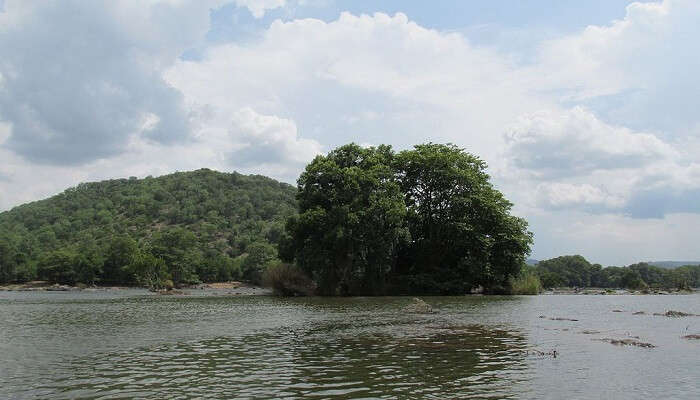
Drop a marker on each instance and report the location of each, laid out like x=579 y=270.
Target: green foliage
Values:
x=199 y=222
x=260 y=255
x=527 y=282
x=119 y=255
x=149 y=271
x=461 y=228
x=576 y=271
x=351 y=218
x=288 y=280
x=58 y=266
x=424 y=221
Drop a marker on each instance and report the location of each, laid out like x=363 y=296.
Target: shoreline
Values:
x=215 y=288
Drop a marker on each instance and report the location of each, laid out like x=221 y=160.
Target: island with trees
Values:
x=361 y=221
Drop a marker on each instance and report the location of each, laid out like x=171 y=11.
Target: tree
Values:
x=119 y=255
x=427 y=216
x=258 y=257
x=7 y=261
x=462 y=233
x=149 y=270
x=350 y=220
x=58 y=267
x=177 y=248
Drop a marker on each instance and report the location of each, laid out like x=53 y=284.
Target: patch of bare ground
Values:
x=224 y=285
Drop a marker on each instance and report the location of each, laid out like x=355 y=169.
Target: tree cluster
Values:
x=184 y=227
x=426 y=220
x=576 y=271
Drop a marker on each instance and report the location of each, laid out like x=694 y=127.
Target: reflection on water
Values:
x=262 y=347
x=327 y=360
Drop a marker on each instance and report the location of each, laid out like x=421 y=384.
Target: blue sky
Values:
x=586 y=112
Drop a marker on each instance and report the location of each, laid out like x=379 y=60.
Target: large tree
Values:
x=462 y=233
x=351 y=216
x=425 y=220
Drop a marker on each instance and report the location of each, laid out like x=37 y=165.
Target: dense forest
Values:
x=184 y=227
x=576 y=271
x=361 y=221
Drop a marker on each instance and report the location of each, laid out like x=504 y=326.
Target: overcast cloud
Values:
x=592 y=131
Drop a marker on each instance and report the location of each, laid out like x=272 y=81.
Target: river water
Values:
x=129 y=344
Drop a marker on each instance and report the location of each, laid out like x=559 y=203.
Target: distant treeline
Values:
x=183 y=227
x=576 y=271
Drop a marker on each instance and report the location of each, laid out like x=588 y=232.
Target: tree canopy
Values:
x=576 y=271
x=201 y=225
x=425 y=220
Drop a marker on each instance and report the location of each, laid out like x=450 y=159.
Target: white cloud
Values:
x=259 y=7
x=575 y=142
x=79 y=77
x=268 y=139
x=559 y=195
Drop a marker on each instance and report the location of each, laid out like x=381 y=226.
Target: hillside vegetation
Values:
x=576 y=271
x=187 y=226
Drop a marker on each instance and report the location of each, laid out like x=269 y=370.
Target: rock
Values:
x=638 y=313
x=694 y=336
x=627 y=342
x=418 y=306
x=672 y=313
x=617 y=311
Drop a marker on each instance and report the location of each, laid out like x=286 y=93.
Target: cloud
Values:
x=575 y=142
x=259 y=7
x=573 y=160
x=558 y=195
x=268 y=139
x=599 y=127
x=367 y=78
x=639 y=71
x=79 y=78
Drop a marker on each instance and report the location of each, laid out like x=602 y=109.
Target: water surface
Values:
x=129 y=344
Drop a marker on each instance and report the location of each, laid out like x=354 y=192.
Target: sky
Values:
x=587 y=113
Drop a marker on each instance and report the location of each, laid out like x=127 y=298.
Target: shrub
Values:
x=288 y=280
x=527 y=282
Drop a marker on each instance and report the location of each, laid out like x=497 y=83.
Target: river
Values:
x=127 y=344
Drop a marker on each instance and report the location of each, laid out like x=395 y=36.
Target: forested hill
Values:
x=207 y=219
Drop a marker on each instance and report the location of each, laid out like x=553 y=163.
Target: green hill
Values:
x=205 y=225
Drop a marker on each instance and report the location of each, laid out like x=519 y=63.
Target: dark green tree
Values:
x=177 y=248
x=351 y=219
x=119 y=254
x=7 y=261
x=462 y=233
x=58 y=267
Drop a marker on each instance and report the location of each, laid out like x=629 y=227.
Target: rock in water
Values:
x=418 y=306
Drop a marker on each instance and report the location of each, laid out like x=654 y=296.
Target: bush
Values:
x=288 y=280
x=527 y=282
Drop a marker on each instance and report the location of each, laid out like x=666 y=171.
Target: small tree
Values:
x=149 y=270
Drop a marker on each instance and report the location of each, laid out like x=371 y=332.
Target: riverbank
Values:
x=609 y=291
x=213 y=288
